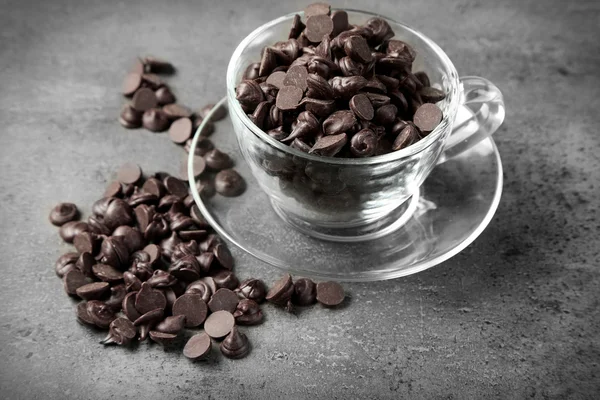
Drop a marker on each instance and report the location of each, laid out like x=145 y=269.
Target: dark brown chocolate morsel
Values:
x=154 y=186
x=198 y=347
x=107 y=273
x=114 y=189
x=151 y=81
x=82 y=314
x=330 y=294
x=100 y=314
x=235 y=345
x=427 y=117
x=296 y=76
x=198 y=167
x=180 y=130
x=339 y=122
x=357 y=48
x=318 y=87
x=217 y=160
x=340 y=22
x=131 y=83
x=288 y=98
x=154 y=251
x=144 y=99
x=158 y=66
x=226 y=279
x=87 y=242
x=329 y=145
x=155 y=120
x=297 y=27
x=129 y=173
x=347 y=86
x=229 y=183
x=223 y=299
x=121 y=332
x=223 y=256
x=93 y=291
x=148 y=299
x=176 y=187
x=161 y=279
x=70 y=229
x=305 y=292
x=364 y=143
x=248 y=312
x=423 y=78
x=219 y=324
x=173 y=324
x=218 y=114
x=203 y=146
x=157 y=229
x=114 y=252
x=73 y=280
x=200 y=288
x=252 y=289
x=276 y=79
x=405 y=138
x=298 y=144
x=162 y=338
x=281 y=291
x=386 y=115
x=63 y=213
x=362 y=107
x=147 y=321
x=132 y=282
x=192 y=307
x=249 y=94
x=431 y=95
x=268 y=61
x=320 y=108
x=175 y=111
x=84 y=263
x=164 y=96
x=65 y=263
x=317 y=8
x=381 y=30
x=118 y=213
x=128 y=306
x=318 y=26
x=117 y=294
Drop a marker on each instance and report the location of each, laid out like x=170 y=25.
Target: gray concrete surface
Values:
x=515 y=315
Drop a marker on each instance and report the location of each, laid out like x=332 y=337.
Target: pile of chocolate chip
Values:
x=335 y=89
x=148 y=265
x=153 y=105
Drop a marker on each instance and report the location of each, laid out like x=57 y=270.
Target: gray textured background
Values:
x=515 y=315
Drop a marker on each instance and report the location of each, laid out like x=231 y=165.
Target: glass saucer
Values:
x=455 y=204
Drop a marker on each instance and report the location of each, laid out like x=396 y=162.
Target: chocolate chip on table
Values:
x=226 y=279
x=92 y=291
x=330 y=294
x=144 y=99
x=198 y=167
x=147 y=321
x=217 y=160
x=162 y=338
x=176 y=111
x=235 y=345
x=318 y=26
x=121 y=331
x=317 y=9
x=405 y=138
x=84 y=263
x=427 y=117
x=73 y=280
x=229 y=183
x=203 y=146
x=155 y=120
x=63 y=213
x=99 y=314
x=329 y=145
x=305 y=292
x=223 y=256
x=192 y=307
x=87 y=242
x=129 y=173
x=223 y=299
x=176 y=187
x=114 y=189
x=164 y=96
x=219 y=324
x=173 y=324
x=180 y=130
x=131 y=83
x=281 y=291
x=252 y=289
x=158 y=66
x=218 y=114
x=248 y=312
x=198 y=347
x=288 y=98
x=128 y=306
x=70 y=229
x=148 y=299
x=65 y=263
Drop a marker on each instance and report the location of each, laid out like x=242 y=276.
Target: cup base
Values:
x=369 y=230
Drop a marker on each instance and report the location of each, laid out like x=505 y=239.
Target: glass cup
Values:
x=354 y=199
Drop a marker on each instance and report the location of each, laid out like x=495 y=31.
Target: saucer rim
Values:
x=365 y=276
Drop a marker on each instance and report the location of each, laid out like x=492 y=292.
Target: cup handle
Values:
x=480 y=114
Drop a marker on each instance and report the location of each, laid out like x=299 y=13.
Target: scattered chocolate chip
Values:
x=229 y=183
x=117 y=294
x=226 y=279
x=223 y=299
x=63 y=213
x=329 y=145
x=84 y=263
x=180 y=130
x=65 y=263
x=155 y=120
x=235 y=345
x=305 y=292
x=162 y=338
x=288 y=98
x=128 y=306
x=176 y=187
x=131 y=83
x=113 y=190
x=107 y=273
x=252 y=289
x=203 y=146
x=248 y=312
x=87 y=242
x=70 y=229
x=198 y=347
x=92 y=291
x=219 y=324
x=99 y=314
x=192 y=307
x=164 y=96
x=121 y=331
x=144 y=99
x=318 y=26
x=330 y=294
x=217 y=160
x=281 y=291
x=148 y=299
x=200 y=288
x=129 y=173
x=73 y=280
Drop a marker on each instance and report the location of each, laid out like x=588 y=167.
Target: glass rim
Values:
x=422 y=144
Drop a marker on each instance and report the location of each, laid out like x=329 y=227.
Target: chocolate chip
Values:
x=128 y=306
x=155 y=120
x=431 y=95
x=70 y=229
x=378 y=100
x=218 y=114
x=152 y=81
x=405 y=138
x=427 y=117
x=203 y=146
x=131 y=83
x=363 y=143
x=82 y=314
x=121 y=332
x=248 y=312
x=63 y=213
x=223 y=256
x=180 y=130
x=144 y=99
x=357 y=48
x=147 y=321
x=318 y=26
x=130 y=118
x=161 y=279
x=132 y=282
x=381 y=30
x=198 y=347
x=252 y=289
x=297 y=27
x=288 y=98
x=107 y=273
x=200 y=288
x=305 y=292
x=93 y=291
x=268 y=61
x=192 y=307
x=99 y=314
x=217 y=160
x=386 y=115
x=223 y=299
x=229 y=183
x=296 y=76
x=362 y=107
x=226 y=279
x=317 y=8
x=249 y=94
x=117 y=294
x=340 y=21
x=235 y=345
x=154 y=252
x=318 y=87
x=164 y=96
x=148 y=299
x=347 y=86
x=276 y=79
x=113 y=190
x=73 y=280
x=298 y=144
x=176 y=111
x=198 y=167
x=87 y=242
x=176 y=187
x=329 y=145
x=129 y=173
x=339 y=122
x=330 y=294
x=158 y=66
x=281 y=291
x=320 y=108
x=210 y=282
x=219 y=324
x=84 y=263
